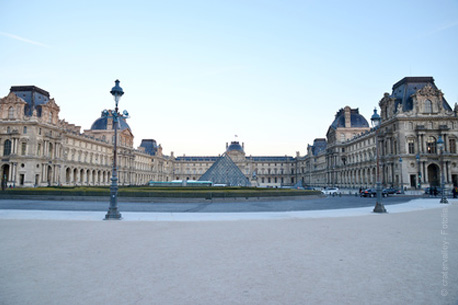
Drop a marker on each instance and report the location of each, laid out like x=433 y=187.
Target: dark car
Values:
x=433 y=191
x=372 y=193
x=391 y=191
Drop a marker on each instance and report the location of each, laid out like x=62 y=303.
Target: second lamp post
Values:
x=117 y=92
x=376 y=120
x=440 y=143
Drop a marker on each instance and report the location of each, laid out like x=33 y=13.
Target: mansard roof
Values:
x=318 y=146
x=406 y=87
x=272 y=158
x=197 y=158
x=150 y=146
x=33 y=96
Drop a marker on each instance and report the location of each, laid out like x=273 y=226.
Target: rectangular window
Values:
x=39 y=150
x=23 y=148
x=452 y=146
x=431 y=145
x=411 y=147
x=7 y=148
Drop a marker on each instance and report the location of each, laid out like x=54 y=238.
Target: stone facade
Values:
x=40 y=149
x=37 y=148
x=413 y=117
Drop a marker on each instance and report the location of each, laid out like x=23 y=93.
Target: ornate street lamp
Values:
x=440 y=143
x=402 y=181
x=376 y=120
x=117 y=92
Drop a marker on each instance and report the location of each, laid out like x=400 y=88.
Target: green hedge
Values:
x=168 y=192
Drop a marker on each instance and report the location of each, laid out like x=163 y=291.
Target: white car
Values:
x=330 y=190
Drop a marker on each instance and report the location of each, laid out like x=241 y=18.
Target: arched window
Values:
x=7 y=148
x=431 y=145
x=428 y=106
x=11 y=113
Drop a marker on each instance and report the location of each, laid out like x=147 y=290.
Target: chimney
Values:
x=347 y=117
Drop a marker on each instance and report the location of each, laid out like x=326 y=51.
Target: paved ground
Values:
x=408 y=256
x=207 y=206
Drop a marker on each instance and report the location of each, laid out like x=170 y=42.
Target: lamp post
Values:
x=376 y=120
x=113 y=212
x=419 y=170
x=402 y=180
x=440 y=143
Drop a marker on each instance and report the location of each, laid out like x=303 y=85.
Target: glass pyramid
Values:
x=225 y=171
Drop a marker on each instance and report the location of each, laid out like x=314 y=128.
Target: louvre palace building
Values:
x=38 y=148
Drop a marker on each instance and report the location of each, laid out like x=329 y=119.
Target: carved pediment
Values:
x=428 y=91
x=127 y=132
x=386 y=99
x=52 y=105
x=12 y=99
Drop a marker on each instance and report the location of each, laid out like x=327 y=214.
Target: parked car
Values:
x=433 y=191
x=330 y=190
x=391 y=191
x=372 y=193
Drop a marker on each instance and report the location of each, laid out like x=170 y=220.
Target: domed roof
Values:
x=356 y=119
x=235 y=146
x=101 y=124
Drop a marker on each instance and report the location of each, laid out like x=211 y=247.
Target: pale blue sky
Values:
x=196 y=73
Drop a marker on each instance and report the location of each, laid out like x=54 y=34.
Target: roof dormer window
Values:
x=428 y=106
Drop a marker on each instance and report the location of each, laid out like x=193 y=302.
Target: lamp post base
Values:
x=113 y=215
x=444 y=200
x=379 y=208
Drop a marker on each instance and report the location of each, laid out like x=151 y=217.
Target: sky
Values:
x=199 y=74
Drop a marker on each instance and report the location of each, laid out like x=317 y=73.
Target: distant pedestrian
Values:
x=455 y=192
x=435 y=191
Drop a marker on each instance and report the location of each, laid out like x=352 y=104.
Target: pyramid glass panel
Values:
x=225 y=171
